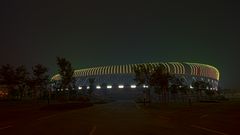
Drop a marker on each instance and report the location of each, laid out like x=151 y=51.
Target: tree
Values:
x=73 y=89
x=176 y=84
x=91 y=86
x=7 y=73
x=142 y=77
x=21 y=77
x=156 y=77
x=66 y=72
x=159 y=79
x=208 y=91
x=199 y=86
x=15 y=79
x=40 y=80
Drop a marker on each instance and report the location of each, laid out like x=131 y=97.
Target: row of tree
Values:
x=163 y=83
x=36 y=84
x=23 y=84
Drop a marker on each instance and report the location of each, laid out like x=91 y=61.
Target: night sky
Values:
x=96 y=32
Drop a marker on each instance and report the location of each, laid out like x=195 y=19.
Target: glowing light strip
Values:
x=125 y=69
x=169 y=71
x=179 y=68
x=198 y=70
x=112 y=70
x=202 y=70
x=183 y=68
x=129 y=69
x=165 y=66
x=119 y=69
x=132 y=68
x=109 y=70
x=175 y=70
x=195 y=70
x=83 y=73
x=99 y=71
x=106 y=70
x=88 y=72
x=103 y=71
x=217 y=74
x=191 y=68
x=95 y=71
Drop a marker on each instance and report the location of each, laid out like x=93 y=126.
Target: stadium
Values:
x=122 y=76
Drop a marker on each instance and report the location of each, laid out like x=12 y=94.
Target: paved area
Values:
x=125 y=117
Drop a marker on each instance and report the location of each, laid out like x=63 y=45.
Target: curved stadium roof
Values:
x=177 y=68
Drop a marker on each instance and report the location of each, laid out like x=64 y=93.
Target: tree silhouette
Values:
x=40 y=80
x=159 y=79
x=91 y=82
x=8 y=78
x=15 y=79
x=66 y=72
x=156 y=77
x=199 y=86
x=142 y=77
x=176 y=83
x=21 y=77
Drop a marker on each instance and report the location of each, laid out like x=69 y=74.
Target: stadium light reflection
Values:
x=98 y=87
x=120 y=86
x=145 y=86
x=133 y=86
x=109 y=86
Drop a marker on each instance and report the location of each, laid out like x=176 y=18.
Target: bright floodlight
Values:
x=98 y=87
x=133 y=86
x=145 y=86
x=88 y=87
x=109 y=86
x=120 y=86
x=191 y=87
x=79 y=87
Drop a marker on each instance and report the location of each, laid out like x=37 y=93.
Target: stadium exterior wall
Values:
x=123 y=75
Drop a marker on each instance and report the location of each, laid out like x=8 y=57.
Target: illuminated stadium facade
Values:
x=122 y=76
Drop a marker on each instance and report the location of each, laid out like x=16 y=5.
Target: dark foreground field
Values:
x=123 y=117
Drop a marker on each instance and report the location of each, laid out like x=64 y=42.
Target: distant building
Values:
x=122 y=76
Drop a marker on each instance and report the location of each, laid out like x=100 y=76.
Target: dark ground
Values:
x=123 y=117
